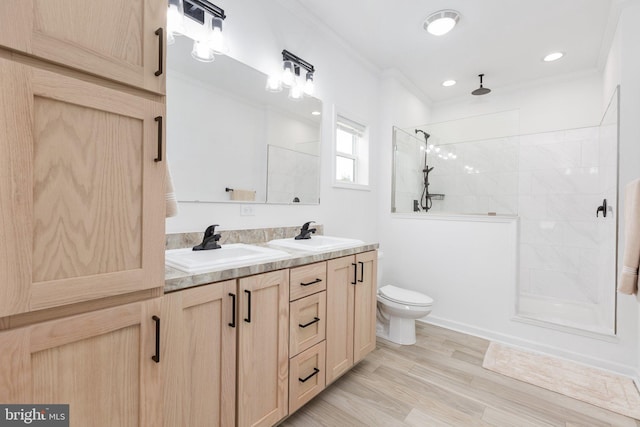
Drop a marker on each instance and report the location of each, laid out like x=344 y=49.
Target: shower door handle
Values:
x=602 y=209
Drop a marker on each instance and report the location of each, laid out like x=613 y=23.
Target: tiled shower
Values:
x=553 y=182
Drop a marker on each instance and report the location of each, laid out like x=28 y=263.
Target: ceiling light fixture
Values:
x=290 y=77
x=554 y=56
x=448 y=83
x=204 y=27
x=441 y=22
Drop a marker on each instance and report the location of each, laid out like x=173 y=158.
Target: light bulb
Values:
x=295 y=92
x=175 y=17
x=202 y=52
x=287 y=73
x=309 y=87
x=273 y=84
x=216 y=39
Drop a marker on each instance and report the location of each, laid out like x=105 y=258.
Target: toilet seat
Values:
x=404 y=296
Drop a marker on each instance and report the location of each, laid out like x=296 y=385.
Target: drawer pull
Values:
x=156 y=357
x=248 y=318
x=355 y=273
x=315 y=320
x=311 y=283
x=315 y=372
x=160 y=33
x=159 y=121
x=233 y=310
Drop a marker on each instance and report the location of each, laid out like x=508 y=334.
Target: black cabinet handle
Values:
x=233 y=310
x=602 y=209
x=315 y=320
x=160 y=34
x=311 y=283
x=355 y=272
x=361 y=279
x=248 y=318
x=159 y=121
x=315 y=372
x=156 y=357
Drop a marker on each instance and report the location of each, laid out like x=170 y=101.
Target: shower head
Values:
x=426 y=135
x=481 y=90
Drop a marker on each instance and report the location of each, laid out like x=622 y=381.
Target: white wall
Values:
x=257 y=32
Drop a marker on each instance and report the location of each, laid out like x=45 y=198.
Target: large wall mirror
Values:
x=226 y=132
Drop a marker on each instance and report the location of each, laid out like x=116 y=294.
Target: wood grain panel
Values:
x=301 y=367
x=87 y=191
x=201 y=357
x=302 y=312
x=300 y=277
x=340 y=300
x=364 y=325
x=107 y=363
x=263 y=349
x=113 y=39
x=75 y=21
x=16 y=163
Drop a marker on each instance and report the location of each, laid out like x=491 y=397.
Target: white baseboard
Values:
x=636 y=379
x=515 y=341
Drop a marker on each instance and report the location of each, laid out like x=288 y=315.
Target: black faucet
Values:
x=305 y=231
x=210 y=240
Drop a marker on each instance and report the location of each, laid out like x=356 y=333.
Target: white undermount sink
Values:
x=228 y=256
x=317 y=243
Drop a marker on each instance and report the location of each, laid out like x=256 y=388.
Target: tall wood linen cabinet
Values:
x=82 y=206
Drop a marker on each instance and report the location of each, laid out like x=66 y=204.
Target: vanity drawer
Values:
x=306 y=376
x=307 y=280
x=307 y=322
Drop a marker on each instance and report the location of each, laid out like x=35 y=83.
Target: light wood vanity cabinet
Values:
x=351 y=311
x=199 y=356
x=211 y=328
x=100 y=363
x=117 y=39
x=81 y=197
x=263 y=348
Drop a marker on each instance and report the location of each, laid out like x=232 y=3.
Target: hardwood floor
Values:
x=440 y=382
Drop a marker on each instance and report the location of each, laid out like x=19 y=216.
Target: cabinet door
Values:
x=340 y=296
x=364 y=325
x=263 y=344
x=200 y=356
x=100 y=363
x=81 y=197
x=115 y=39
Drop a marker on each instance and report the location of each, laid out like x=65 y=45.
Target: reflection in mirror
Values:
x=221 y=121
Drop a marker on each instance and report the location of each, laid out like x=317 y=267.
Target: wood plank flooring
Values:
x=440 y=382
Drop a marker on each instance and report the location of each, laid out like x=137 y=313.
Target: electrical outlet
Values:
x=247 y=210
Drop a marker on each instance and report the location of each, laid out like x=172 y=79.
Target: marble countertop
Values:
x=176 y=280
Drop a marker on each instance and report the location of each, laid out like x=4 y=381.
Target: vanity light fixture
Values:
x=441 y=22
x=204 y=27
x=554 y=56
x=291 y=77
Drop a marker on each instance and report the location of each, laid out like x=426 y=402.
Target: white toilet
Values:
x=398 y=310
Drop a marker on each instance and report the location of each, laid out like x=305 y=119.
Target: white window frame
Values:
x=361 y=157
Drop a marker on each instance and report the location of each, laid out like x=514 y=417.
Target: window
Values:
x=352 y=153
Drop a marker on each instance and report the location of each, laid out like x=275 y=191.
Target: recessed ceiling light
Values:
x=441 y=22
x=448 y=83
x=554 y=56
x=315 y=113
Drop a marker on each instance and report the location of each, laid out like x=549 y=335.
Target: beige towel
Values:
x=171 y=203
x=628 y=280
x=246 y=195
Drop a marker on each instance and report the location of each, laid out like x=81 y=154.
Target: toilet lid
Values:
x=404 y=296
